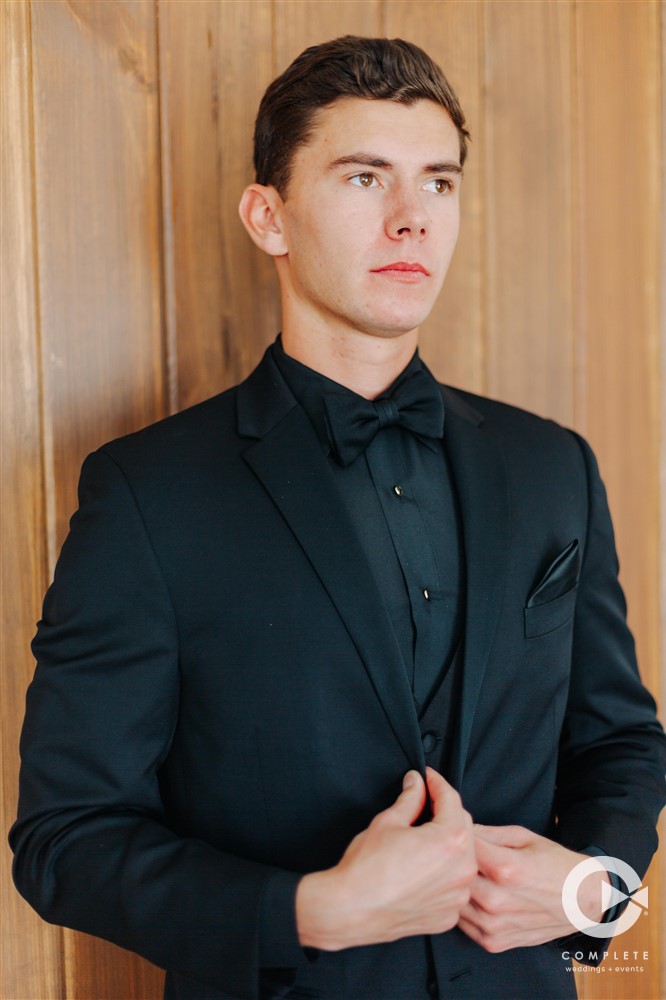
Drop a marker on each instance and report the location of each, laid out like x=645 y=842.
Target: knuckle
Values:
x=504 y=873
x=380 y=821
x=455 y=800
x=493 y=945
x=445 y=922
x=516 y=832
x=485 y=939
x=458 y=839
x=492 y=901
x=463 y=897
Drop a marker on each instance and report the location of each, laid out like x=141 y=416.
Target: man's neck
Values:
x=366 y=364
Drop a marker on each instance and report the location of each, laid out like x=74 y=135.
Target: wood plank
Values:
x=216 y=61
x=298 y=24
x=529 y=191
x=31 y=949
x=98 y=218
x=618 y=73
x=453 y=339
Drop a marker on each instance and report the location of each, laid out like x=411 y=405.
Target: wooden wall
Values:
x=129 y=289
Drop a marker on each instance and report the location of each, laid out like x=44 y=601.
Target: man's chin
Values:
x=391 y=327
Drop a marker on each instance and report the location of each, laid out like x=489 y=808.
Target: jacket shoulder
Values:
x=198 y=431
x=506 y=419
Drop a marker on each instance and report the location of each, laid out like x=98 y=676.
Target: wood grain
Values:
x=618 y=72
x=453 y=338
x=216 y=62
x=98 y=219
x=619 y=294
x=298 y=24
x=31 y=950
x=529 y=141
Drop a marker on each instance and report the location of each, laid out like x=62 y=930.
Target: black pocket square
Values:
x=560 y=577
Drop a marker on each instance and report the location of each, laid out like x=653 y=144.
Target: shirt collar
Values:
x=308 y=386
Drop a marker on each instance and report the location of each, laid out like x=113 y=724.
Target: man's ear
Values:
x=260 y=210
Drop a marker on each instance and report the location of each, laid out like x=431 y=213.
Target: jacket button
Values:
x=429 y=741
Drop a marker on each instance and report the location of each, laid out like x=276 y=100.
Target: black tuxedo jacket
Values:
x=219 y=694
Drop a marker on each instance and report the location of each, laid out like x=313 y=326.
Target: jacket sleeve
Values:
x=612 y=756
x=93 y=849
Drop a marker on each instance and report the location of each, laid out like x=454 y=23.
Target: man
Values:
x=274 y=607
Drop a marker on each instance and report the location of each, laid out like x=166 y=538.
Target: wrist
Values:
x=319 y=912
x=590 y=895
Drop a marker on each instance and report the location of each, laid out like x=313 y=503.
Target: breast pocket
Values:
x=540 y=619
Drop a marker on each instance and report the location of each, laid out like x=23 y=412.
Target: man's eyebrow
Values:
x=363 y=159
x=445 y=167
x=367 y=160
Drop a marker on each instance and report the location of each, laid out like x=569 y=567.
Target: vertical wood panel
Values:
x=452 y=339
x=98 y=218
x=216 y=61
x=298 y=25
x=31 y=949
x=619 y=113
x=619 y=307
x=530 y=134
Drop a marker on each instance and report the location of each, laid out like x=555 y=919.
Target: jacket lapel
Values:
x=477 y=466
x=290 y=463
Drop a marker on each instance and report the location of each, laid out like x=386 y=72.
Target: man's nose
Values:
x=407 y=216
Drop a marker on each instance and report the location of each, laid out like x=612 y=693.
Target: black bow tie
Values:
x=352 y=421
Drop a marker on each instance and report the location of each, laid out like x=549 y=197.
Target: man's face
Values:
x=371 y=217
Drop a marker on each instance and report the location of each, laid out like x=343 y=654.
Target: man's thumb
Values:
x=409 y=805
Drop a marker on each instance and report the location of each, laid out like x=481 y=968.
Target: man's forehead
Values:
x=377 y=109
x=385 y=129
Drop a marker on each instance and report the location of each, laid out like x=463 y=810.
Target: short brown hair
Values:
x=352 y=66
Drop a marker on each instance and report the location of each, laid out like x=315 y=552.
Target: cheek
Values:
x=453 y=225
x=447 y=237
x=328 y=249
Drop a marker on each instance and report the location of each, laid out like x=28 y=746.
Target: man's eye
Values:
x=440 y=185
x=364 y=180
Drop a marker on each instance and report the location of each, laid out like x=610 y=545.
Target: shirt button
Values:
x=429 y=741
x=426 y=594
x=398 y=490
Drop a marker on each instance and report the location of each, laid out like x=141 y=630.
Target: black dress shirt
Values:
x=401 y=500
x=399 y=496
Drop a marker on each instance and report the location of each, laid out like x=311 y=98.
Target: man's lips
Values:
x=403 y=265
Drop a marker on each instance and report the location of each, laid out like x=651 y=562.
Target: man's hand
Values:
x=394 y=879
x=517 y=895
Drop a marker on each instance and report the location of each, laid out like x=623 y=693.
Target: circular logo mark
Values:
x=638 y=901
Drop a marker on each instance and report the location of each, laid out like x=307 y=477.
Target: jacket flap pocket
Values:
x=543 y=618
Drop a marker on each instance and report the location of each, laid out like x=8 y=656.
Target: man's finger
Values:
x=443 y=796
x=409 y=804
x=496 y=861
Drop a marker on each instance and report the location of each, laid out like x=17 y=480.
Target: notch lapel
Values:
x=290 y=463
x=479 y=475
